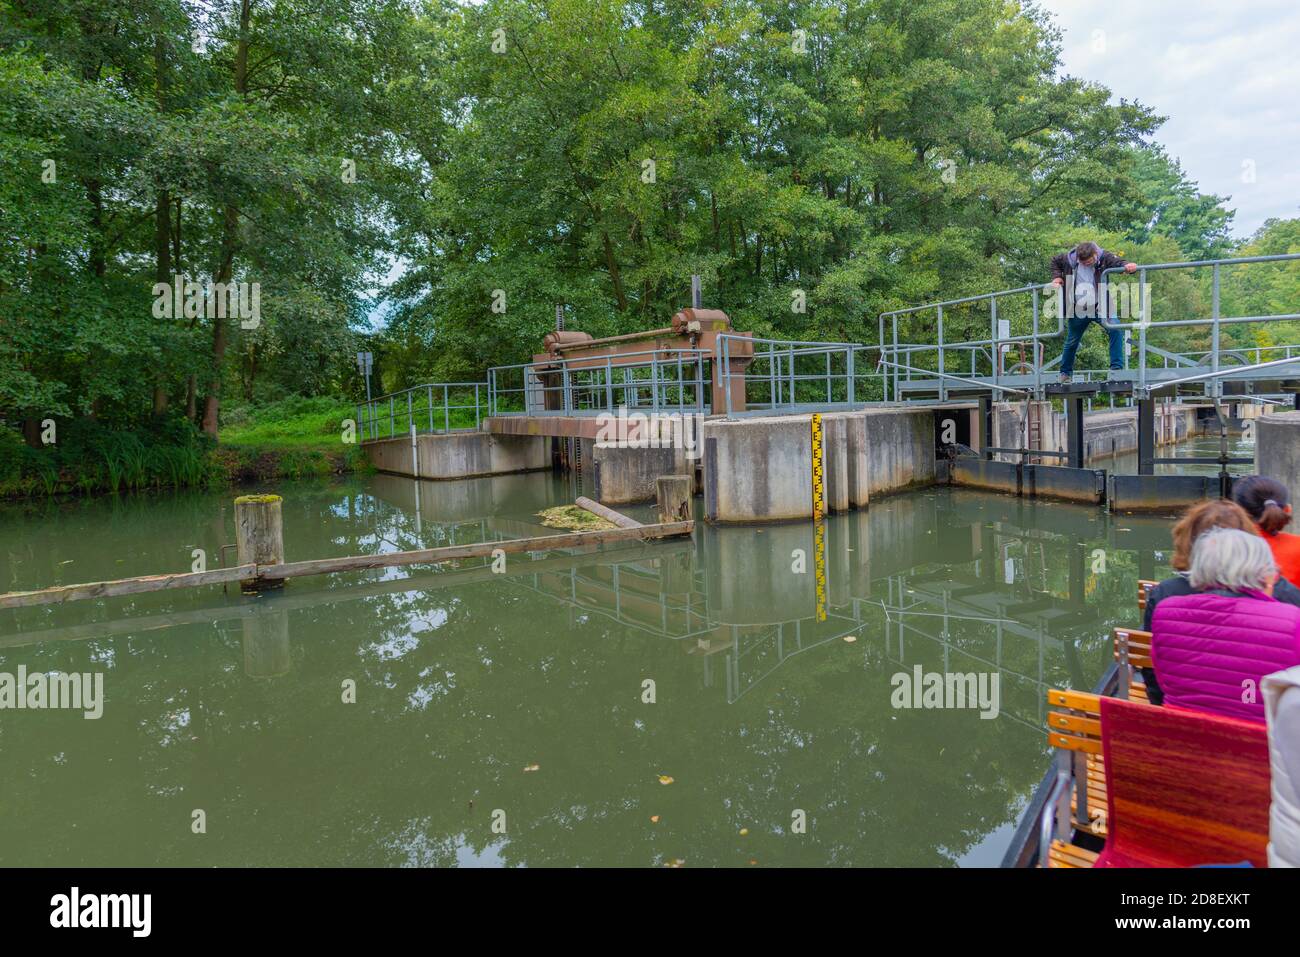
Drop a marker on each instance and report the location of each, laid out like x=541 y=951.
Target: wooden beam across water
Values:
x=431 y=556
x=125 y=586
x=326 y=566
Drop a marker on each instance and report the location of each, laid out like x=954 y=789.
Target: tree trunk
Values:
x=163 y=272
x=32 y=432
x=229 y=241
x=620 y=297
x=162 y=213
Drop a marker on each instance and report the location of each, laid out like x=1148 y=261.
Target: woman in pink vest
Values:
x=1211 y=648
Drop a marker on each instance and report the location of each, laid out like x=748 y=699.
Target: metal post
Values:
x=1145 y=295
x=1074 y=428
x=699 y=378
x=985 y=426
x=446 y=410
x=1036 y=357
x=941 y=365
x=849 y=390
x=895 y=353
x=1146 y=435
x=793 y=398
x=429 y=399
x=681 y=389
x=771 y=378
x=697 y=293
x=993 y=324
x=1215 y=386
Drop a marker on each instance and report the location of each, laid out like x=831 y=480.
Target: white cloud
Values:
x=1226 y=76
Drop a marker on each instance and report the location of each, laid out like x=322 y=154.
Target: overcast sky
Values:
x=1227 y=76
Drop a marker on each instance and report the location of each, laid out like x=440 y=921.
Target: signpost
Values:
x=366 y=362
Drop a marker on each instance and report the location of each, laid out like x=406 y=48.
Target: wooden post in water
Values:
x=260 y=538
x=673 y=494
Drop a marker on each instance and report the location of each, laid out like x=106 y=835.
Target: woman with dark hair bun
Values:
x=1268 y=503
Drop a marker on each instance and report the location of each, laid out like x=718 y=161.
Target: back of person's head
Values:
x=1199 y=519
x=1266 y=500
x=1086 y=249
x=1232 y=559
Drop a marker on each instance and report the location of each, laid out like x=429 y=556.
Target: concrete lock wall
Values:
x=1277 y=449
x=890 y=450
x=460 y=455
x=625 y=475
x=760 y=469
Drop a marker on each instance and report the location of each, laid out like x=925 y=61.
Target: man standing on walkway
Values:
x=1079 y=271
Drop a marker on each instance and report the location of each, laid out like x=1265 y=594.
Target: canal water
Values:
x=687 y=702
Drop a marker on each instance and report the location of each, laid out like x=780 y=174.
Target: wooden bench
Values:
x=1144 y=589
x=1074 y=729
x=1132 y=652
x=1162 y=787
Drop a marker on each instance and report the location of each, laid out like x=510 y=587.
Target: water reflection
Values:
x=465 y=678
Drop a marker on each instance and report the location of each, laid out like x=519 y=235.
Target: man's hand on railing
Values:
x=1130 y=267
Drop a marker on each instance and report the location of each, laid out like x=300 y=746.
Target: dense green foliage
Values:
x=868 y=154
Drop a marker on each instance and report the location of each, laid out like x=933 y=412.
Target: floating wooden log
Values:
x=607 y=513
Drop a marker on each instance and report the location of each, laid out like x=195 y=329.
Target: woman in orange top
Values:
x=1268 y=503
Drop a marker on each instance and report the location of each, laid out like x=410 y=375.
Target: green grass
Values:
x=291 y=438
x=289 y=424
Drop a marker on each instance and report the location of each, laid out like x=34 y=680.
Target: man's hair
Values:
x=1231 y=559
x=1086 y=249
x=1198 y=520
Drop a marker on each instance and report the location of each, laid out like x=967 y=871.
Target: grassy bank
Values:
x=292 y=438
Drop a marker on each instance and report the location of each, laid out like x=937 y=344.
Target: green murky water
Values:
x=1202 y=446
x=466 y=679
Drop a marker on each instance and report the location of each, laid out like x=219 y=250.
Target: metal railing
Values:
x=907 y=359
x=788 y=375
x=903 y=356
x=664 y=380
x=1216 y=321
x=431 y=408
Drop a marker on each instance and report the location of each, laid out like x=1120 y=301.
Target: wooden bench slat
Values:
x=1073 y=743
x=1076 y=700
x=1073 y=722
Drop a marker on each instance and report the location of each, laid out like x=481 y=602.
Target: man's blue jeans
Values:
x=1074 y=332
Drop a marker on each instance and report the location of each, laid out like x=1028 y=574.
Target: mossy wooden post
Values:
x=673 y=493
x=260 y=538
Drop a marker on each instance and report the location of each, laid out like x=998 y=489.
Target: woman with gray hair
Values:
x=1210 y=649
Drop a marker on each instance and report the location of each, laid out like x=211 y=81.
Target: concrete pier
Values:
x=760 y=469
x=625 y=475
x=1277 y=449
x=459 y=455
